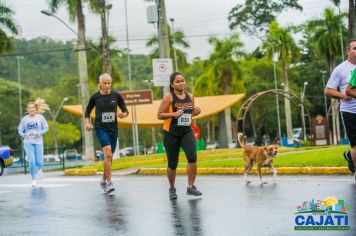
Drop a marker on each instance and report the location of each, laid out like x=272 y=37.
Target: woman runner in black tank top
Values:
x=180 y=125
x=177 y=109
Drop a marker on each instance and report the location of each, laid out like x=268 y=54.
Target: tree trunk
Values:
x=83 y=76
x=335 y=111
x=225 y=128
x=163 y=34
x=153 y=136
x=105 y=43
x=352 y=19
x=208 y=132
x=287 y=107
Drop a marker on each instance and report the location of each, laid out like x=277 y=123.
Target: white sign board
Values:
x=162 y=69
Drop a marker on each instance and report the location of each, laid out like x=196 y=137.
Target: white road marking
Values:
x=5 y=192
x=79 y=179
x=40 y=185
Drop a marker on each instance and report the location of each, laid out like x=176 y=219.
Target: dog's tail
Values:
x=241 y=139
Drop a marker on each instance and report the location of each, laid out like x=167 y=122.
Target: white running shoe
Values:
x=34 y=184
x=40 y=174
x=110 y=187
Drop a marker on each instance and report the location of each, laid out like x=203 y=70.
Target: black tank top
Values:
x=179 y=125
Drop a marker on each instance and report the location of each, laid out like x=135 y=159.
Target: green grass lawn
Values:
x=329 y=156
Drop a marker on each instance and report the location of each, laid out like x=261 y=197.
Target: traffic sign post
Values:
x=133 y=98
x=162 y=69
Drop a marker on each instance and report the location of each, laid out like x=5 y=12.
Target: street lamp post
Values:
x=135 y=137
x=323 y=72
x=302 y=108
x=274 y=60
x=54 y=117
x=20 y=99
x=174 y=45
x=83 y=77
x=340 y=34
x=82 y=121
x=19 y=83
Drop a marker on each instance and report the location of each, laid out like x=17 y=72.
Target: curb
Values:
x=80 y=172
x=239 y=171
x=221 y=171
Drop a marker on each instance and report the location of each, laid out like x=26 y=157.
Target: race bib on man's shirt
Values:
x=107 y=117
x=185 y=120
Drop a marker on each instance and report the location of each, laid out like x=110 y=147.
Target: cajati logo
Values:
x=328 y=214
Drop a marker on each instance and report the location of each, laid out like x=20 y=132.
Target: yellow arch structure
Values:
x=147 y=114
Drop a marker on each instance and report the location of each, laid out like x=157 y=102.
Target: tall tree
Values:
x=178 y=41
x=254 y=16
x=326 y=36
x=100 y=7
x=7 y=24
x=223 y=76
x=352 y=19
x=280 y=40
x=96 y=64
x=75 y=10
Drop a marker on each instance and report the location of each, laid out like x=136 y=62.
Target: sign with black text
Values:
x=137 y=97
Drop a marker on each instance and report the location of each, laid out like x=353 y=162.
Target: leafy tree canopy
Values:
x=254 y=16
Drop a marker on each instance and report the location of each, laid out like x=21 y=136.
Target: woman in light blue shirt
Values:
x=31 y=128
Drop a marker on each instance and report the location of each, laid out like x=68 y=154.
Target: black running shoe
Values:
x=193 y=191
x=350 y=163
x=172 y=194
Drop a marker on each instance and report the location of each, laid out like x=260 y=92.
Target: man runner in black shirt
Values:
x=106 y=102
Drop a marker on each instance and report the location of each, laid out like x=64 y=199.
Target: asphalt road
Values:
x=63 y=205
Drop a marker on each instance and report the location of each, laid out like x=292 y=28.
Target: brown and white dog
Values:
x=262 y=156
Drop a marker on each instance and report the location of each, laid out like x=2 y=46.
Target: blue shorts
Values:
x=107 y=138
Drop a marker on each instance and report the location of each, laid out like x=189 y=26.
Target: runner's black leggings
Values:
x=173 y=143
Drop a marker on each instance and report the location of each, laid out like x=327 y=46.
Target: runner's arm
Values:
x=331 y=92
x=122 y=105
x=196 y=110
x=163 y=113
x=90 y=107
x=351 y=92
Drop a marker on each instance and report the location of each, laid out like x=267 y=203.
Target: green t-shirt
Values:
x=353 y=79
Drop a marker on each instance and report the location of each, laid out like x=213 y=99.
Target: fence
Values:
x=53 y=158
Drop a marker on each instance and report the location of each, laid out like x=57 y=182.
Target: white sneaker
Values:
x=40 y=174
x=34 y=184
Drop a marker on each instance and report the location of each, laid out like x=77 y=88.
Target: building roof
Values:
x=147 y=113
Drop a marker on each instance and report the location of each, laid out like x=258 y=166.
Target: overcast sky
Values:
x=198 y=18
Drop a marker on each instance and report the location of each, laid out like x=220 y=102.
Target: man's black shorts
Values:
x=349 y=120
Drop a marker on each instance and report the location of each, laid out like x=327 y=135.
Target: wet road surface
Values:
x=63 y=205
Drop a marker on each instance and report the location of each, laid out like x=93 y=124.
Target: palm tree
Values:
x=75 y=10
x=352 y=19
x=100 y=7
x=223 y=76
x=7 y=24
x=95 y=62
x=280 y=40
x=326 y=36
x=179 y=40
